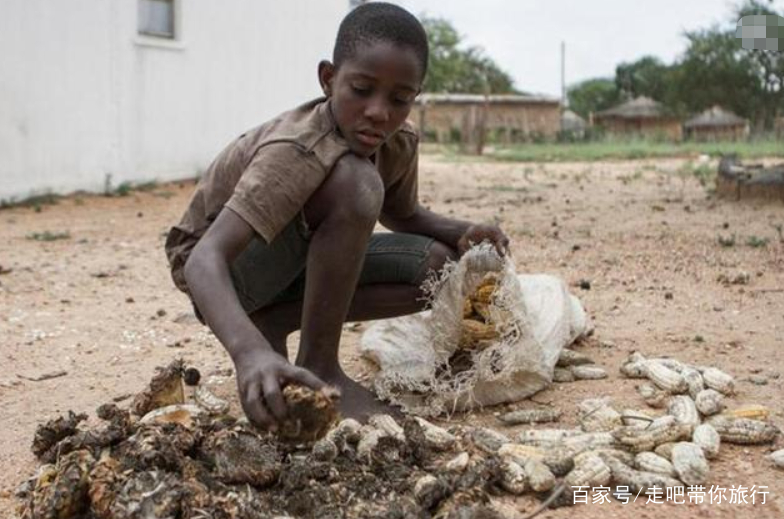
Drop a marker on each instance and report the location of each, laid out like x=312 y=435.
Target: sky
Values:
x=524 y=36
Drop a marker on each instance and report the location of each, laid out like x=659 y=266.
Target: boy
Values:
x=279 y=233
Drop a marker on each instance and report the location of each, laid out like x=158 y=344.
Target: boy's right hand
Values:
x=260 y=376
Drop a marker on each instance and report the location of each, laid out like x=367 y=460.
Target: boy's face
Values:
x=372 y=93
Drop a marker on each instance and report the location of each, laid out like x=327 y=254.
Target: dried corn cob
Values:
x=546 y=437
x=325 y=450
x=744 y=431
x=436 y=438
x=483 y=310
x=635 y=356
x=369 y=437
x=753 y=411
x=387 y=424
x=563 y=375
x=591 y=471
x=458 y=463
x=618 y=454
x=777 y=458
x=347 y=431
x=693 y=380
x=513 y=478
x=650 y=462
x=633 y=369
x=484 y=294
x=588 y=372
x=720 y=381
x=569 y=358
x=708 y=439
x=637 y=480
x=652 y=395
x=635 y=417
x=527 y=416
x=690 y=463
x=488 y=440
x=539 y=476
x=665 y=377
x=205 y=399
x=468 y=309
x=665 y=450
x=520 y=453
x=683 y=409
x=661 y=430
x=709 y=402
x=673 y=364
x=601 y=419
x=473 y=331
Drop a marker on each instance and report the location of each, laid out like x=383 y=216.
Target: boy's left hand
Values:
x=478 y=233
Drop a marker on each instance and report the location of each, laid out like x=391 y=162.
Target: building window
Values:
x=156 y=18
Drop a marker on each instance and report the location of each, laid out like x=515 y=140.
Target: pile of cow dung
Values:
x=166 y=458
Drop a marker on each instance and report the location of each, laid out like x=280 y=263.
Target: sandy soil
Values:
x=100 y=307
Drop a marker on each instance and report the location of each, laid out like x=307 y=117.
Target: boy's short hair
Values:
x=380 y=22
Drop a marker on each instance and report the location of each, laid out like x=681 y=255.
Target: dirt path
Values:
x=100 y=307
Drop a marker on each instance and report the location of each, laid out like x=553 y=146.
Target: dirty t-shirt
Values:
x=267 y=174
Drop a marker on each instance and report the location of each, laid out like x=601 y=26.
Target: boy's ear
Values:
x=326 y=74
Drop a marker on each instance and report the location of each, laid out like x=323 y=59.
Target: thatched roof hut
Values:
x=640 y=116
x=716 y=123
x=506 y=117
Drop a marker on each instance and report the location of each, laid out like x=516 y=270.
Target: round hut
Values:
x=716 y=124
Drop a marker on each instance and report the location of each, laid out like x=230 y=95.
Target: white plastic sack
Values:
x=535 y=315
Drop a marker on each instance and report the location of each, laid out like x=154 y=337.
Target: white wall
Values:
x=82 y=96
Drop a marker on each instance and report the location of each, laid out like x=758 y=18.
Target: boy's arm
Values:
x=458 y=234
x=260 y=370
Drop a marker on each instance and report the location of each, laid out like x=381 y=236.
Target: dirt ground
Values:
x=99 y=308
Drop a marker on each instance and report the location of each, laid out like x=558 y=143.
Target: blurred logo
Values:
x=761 y=32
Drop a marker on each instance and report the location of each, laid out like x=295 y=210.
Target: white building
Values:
x=139 y=90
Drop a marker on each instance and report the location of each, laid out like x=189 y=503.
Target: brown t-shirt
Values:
x=267 y=174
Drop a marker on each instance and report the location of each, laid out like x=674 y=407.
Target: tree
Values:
x=647 y=76
x=455 y=69
x=593 y=95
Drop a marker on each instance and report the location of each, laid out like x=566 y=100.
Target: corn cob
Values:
x=635 y=356
x=588 y=372
x=561 y=375
x=205 y=399
x=369 y=437
x=652 y=395
x=777 y=458
x=528 y=416
x=664 y=377
x=690 y=463
x=744 y=431
x=436 y=438
x=468 y=309
x=569 y=358
x=626 y=457
x=346 y=431
x=637 y=480
x=672 y=364
x=706 y=437
x=650 y=462
x=661 y=430
x=488 y=440
x=709 y=402
x=458 y=463
x=483 y=310
x=665 y=450
x=633 y=369
x=325 y=450
x=539 y=476
x=601 y=419
x=473 y=331
x=718 y=380
x=753 y=411
x=592 y=471
x=545 y=437
x=484 y=293
x=491 y=279
x=513 y=478
x=683 y=409
x=636 y=418
x=693 y=380
x=429 y=490
x=387 y=424
x=520 y=453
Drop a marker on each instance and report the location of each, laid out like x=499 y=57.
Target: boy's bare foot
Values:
x=357 y=401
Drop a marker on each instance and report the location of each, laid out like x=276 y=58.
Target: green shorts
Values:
x=267 y=274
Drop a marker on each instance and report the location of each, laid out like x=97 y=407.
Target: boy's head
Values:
x=378 y=65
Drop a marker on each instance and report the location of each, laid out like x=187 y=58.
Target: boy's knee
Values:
x=437 y=256
x=352 y=192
